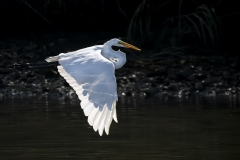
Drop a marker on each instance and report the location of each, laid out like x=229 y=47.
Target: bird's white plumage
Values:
x=92 y=77
x=90 y=72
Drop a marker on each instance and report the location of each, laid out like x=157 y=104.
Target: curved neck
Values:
x=106 y=51
x=118 y=58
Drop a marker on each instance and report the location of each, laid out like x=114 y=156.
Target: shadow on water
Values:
x=167 y=128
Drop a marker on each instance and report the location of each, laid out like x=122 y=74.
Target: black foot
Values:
x=21 y=66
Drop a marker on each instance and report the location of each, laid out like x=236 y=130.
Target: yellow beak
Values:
x=129 y=45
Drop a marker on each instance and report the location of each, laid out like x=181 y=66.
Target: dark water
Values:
x=167 y=128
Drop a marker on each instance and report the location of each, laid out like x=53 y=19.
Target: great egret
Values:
x=90 y=72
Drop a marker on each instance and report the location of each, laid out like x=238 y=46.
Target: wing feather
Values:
x=92 y=77
x=89 y=107
x=92 y=116
x=115 y=112
x=108 y=122
x=96 y=120
x=102 y=120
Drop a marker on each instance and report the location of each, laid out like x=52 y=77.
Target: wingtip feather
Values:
x=100 y=120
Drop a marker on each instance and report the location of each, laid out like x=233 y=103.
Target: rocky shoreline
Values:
x=177 y=77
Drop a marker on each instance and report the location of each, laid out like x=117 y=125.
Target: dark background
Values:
x=187 y=46
x=31 y=18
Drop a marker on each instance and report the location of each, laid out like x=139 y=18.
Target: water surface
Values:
x=166 y=128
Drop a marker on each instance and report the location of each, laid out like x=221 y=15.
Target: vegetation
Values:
x=164 y=27
x=177 y=34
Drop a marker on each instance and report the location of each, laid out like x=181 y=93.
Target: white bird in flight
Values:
x=90 y=72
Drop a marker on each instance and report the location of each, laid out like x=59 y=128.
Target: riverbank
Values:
x=178 y=76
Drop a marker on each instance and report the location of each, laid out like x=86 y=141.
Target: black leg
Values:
x=21 y=66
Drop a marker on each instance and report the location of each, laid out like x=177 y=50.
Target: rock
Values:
x=129 y=93
x=191 y=77
x=185 y=73
x=207 y=80
x=207 y=67
x=199 y=86
x=154 y=79
x=216 y=72
x=1 y=79
x=201 y=75
x=216 y=79
x=45 y=88
x=220 y=83
x=121 y=81
x=174 y=87
x=226 y=74
x=4 y=70
x=171 y=73
x=132 y=77
x=152 y=92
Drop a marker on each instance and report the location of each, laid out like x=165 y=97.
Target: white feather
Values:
x=108 y=122
x=91 y=74
x=99 y=120
x=102 y=120
x=96 y=120
x=114 y=112
x=89 y=107
x=92 y=115
x=52 y=59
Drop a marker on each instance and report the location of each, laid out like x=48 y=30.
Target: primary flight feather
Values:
x=90 y=72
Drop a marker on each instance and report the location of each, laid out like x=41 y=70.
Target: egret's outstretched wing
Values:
x=92 y=77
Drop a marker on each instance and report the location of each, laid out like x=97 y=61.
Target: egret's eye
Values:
x=115 y=48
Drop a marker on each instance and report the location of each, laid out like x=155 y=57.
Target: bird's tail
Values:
x=53 y=59
x=21 y=66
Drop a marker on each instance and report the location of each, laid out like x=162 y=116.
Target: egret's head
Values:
x=119 y=43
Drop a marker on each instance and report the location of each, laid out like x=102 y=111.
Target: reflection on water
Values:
x=167 y=128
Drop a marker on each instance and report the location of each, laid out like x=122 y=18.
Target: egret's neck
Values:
x=107 y=49
x=118 y=58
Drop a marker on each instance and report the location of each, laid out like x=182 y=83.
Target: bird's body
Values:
x=90 y=72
